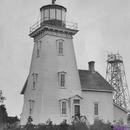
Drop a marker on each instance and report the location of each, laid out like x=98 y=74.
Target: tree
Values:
x=3 y=114
x=12 y=120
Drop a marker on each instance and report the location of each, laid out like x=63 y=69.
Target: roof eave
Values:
x=96 y=90
x=24 y=87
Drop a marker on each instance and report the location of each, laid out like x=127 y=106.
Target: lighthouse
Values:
x=52 y=89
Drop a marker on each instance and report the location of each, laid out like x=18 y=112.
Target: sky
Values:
x=104 y=27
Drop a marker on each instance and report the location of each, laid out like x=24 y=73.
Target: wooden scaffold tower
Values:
x=115 y=75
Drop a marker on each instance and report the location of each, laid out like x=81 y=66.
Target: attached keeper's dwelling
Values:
x=55 y=89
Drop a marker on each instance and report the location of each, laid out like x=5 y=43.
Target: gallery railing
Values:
x=63 y=24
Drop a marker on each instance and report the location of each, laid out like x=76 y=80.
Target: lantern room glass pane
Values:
x=63 y=15
x=46 y=17
x=58 y=14
x=42 y=15
x=52 y=14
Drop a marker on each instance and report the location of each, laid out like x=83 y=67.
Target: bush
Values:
x=100 y=125
x=64 y=125
x=80 y=126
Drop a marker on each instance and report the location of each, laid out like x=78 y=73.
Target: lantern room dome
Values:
x=53 y=14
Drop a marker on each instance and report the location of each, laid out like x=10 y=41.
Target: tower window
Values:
x=63 y=107
x=38 y=49
x=31 y=106
x=62 y=83
x=62 y=78
x=60 y=49
x=95 y=108
x=35 y=76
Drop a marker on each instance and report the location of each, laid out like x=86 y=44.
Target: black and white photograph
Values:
x=65 y=64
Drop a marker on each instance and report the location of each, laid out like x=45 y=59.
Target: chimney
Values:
x=91 y=66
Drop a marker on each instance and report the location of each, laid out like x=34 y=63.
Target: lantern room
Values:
x=53 y=15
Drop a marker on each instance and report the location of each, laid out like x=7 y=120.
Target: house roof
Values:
x=93 y=81
x=24 y=87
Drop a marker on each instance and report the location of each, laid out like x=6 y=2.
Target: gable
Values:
x=76 y=96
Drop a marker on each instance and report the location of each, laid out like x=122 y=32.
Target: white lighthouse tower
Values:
x=52 y=89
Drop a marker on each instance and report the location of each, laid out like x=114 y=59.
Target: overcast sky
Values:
x=104 y=26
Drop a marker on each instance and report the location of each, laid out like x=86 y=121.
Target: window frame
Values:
x=76 y=104
x=38 y=48
x=60 y=47
x=34 y=80
x=96 y=108
x=62 y=79
x=66 y=107
x=31 y=106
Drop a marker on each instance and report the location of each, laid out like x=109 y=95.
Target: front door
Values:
x=77 y=110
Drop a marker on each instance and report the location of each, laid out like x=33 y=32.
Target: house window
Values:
x=38 y=44
x=60 y=47
x=35 y=76
x=64 y=108
x=62 y=78
x=95 y=108
x=31 y=106
x=76 y=101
